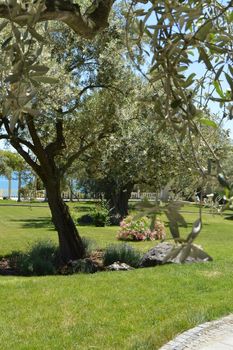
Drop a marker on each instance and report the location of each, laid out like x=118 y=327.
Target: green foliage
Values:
x=26 y=192
x=123 y=253
x=10 y=161
x=228 y=192
x=89 y=245
x=171 y=36
x=86 y=219
x=100 y=214
x=41 y=259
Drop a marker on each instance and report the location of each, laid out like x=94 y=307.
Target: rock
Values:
x=118 y=266
x=156 y=255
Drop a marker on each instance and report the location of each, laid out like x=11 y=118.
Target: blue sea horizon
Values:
x=4 y=186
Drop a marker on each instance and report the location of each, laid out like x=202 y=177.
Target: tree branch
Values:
x=4 y=137
x=16 y=144
x=58 y=145
x=75 y=156
x=21 y=141
x=38 y=147
x=87 y=25
x=89 y=87
x=33 y=132
x=81 y=150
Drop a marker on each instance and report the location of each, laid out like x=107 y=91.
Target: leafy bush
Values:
x=139 y=230
x=85 y=219
x=41 y=259
x=122 y=253
x=100 y=214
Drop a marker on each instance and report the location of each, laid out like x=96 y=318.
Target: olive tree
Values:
x=43 y=117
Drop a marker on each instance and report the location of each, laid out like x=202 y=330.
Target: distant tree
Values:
x=12 y=163
x=141 y=154
x=138 y=153
x=6 y=171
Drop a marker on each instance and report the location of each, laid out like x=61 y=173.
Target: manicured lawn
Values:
x=136 y=310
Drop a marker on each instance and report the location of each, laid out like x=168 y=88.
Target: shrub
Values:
x=139 y=230
x=41 y=259
x=122 y=253
x=89 y=245
x=85 y=219
x=100 y=214
x=100 y=218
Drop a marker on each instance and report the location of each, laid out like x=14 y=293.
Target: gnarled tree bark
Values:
x=85 y=25
x=70 y=243
x=118 y=199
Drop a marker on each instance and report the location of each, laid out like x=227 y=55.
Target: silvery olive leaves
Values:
x=187 y=46
x=183 y=247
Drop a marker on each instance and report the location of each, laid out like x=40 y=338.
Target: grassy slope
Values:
x=141 y=309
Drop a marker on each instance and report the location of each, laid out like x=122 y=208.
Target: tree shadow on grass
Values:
x=41 y=222
x=84 y=208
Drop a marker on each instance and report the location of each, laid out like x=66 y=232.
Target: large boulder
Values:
x=174 y=253
x=156 y=255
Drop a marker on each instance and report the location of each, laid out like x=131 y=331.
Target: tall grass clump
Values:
x=89 y=245
x=41 y=259
x=123 y=253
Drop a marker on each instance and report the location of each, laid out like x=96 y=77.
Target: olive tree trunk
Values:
x=119 y=201
x=70 y=243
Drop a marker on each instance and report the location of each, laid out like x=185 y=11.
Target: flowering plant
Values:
x=139 y=230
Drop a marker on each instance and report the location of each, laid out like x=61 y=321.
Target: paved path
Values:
x=216 y=335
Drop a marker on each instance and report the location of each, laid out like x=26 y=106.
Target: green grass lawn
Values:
x=135 y=310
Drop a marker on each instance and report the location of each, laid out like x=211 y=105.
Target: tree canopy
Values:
x=60 y=93
x=52 y=127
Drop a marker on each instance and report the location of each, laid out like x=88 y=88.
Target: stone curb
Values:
x=201 y=335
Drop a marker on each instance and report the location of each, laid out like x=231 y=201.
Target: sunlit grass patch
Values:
x=140 y=309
